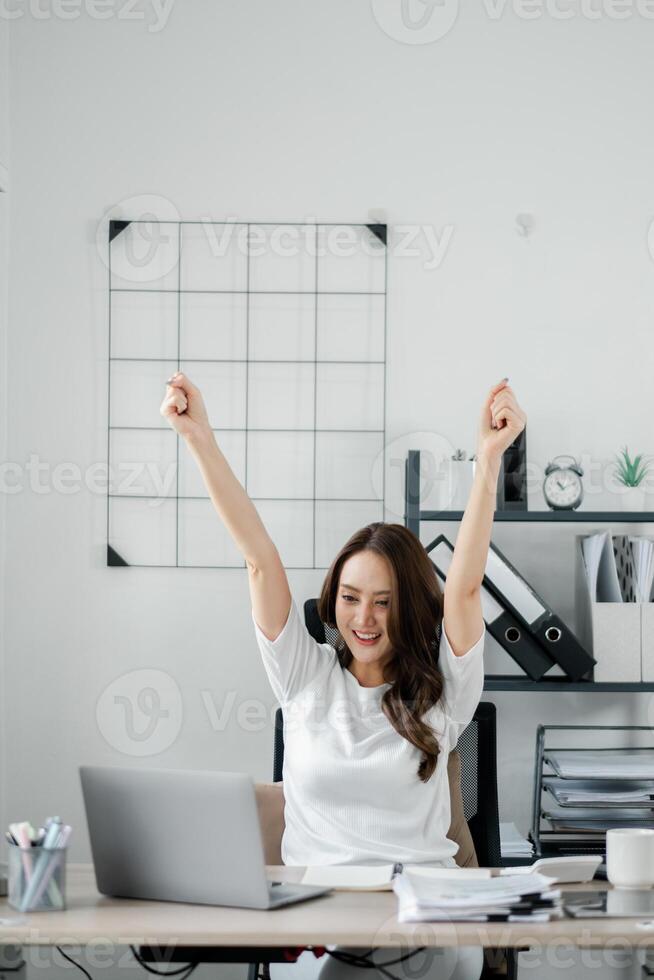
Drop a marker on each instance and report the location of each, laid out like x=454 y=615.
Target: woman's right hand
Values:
x=183 y=407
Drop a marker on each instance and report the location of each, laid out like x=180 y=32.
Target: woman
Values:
x=369 y=725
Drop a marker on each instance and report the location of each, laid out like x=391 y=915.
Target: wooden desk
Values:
x=347 y=918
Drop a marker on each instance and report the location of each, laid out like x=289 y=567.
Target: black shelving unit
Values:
x=512 y=682
x=413 y=517
x=554 y=516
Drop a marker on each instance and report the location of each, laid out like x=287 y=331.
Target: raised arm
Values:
x=184 y=409
x=502 y=421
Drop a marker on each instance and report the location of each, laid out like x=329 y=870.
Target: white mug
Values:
x=630 y=857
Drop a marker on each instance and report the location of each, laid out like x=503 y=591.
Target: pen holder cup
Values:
x=37 y=878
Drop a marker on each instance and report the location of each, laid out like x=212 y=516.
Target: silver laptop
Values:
x=180 y=836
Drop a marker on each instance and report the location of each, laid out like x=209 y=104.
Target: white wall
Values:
x=296 y=110
x=4 y=93
x=4 y=265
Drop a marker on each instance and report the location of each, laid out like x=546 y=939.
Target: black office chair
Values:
x=476 y=747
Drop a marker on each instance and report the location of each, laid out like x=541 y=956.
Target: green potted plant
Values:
x=630 y=474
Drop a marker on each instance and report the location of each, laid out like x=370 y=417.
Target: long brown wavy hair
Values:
x=413 y=624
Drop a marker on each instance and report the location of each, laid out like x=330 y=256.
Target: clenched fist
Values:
x=183 y=407
x=502 y=421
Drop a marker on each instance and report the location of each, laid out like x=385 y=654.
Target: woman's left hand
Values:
x=502 y=421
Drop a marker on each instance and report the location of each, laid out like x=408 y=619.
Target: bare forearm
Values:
x=469 y=560
x=501 y=422
x=234 y=507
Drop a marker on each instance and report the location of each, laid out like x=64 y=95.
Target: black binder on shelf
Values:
x=557 y=639
x=512 y=481
x=500 y=622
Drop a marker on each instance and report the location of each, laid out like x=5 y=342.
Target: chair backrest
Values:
x=477 y=749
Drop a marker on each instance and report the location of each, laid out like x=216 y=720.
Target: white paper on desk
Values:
x=562 y=870
x=408 y=914
x=454 y=893
x=601 y=569
x=420 y=900
x=352 y=877
x=447 y=874
x=348 y=877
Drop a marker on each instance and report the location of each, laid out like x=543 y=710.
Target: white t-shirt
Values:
x=351 y=789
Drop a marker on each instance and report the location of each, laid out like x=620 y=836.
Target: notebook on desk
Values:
x=379 y=877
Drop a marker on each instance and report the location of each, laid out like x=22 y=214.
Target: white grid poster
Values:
x=283 y=329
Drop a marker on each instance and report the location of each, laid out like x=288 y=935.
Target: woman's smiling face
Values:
x=362 y=601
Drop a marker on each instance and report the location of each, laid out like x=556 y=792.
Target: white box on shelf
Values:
x=611 y=631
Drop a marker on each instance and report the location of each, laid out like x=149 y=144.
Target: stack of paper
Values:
x=510 y=898
x=614 y=764
x=512 y=843
x=596 y=818
x=601 y=792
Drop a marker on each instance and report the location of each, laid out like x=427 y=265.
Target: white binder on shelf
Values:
x=610 y=628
